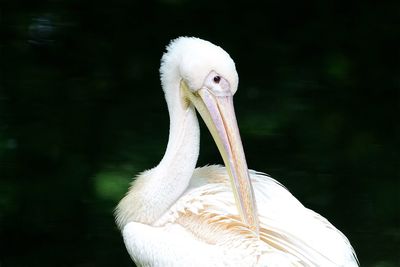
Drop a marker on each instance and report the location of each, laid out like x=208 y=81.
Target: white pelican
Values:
x=178 y=215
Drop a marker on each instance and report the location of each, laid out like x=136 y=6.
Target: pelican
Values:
x=178 y=215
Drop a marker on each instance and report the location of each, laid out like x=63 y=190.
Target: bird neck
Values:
x=156 y=190
x=179 y=161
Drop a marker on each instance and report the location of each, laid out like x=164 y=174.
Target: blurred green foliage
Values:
x=82 y=112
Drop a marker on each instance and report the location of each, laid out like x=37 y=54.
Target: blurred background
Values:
x=82 y=112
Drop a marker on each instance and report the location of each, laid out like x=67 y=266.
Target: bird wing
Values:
x=288 y=225
x=289 y=232
x=203 y=228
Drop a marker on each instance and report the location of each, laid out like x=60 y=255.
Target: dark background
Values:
x=82 y=111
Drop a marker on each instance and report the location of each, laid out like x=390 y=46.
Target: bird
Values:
x=178 y=215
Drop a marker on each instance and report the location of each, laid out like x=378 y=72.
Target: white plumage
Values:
x=179 y=215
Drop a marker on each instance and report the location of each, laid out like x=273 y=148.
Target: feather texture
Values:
x=206 y=213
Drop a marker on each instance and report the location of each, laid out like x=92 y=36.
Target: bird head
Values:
x=197 y=62
x=207 y=79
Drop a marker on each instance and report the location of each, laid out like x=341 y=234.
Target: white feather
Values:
x=176 y=215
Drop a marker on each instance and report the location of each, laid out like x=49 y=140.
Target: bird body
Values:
x=179 y=215
x=203 y=228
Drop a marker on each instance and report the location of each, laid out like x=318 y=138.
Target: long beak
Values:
x=219 y=115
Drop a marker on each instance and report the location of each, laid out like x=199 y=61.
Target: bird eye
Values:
x=217 y=79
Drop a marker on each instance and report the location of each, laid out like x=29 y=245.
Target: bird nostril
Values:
x=217 y=79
